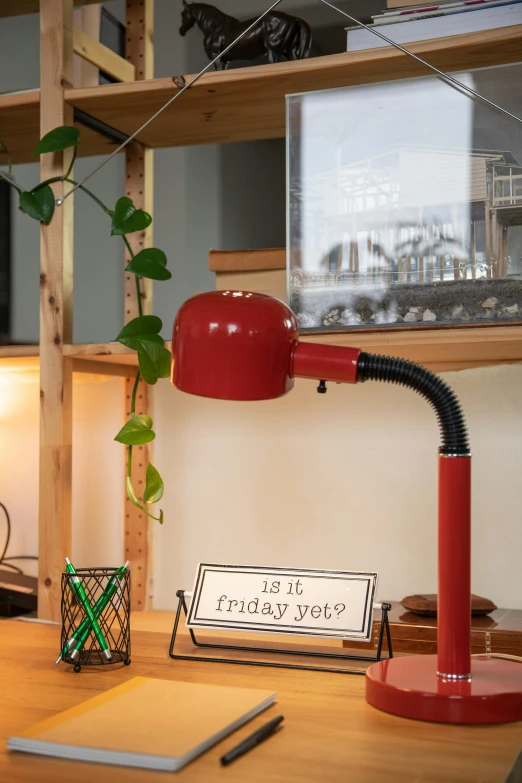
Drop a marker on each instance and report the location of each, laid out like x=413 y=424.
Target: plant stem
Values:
x=10 y=181
x=133 y=411
x=72 y=182
x=136 y=277
x=129 y=457
x=134 y=393
x=71 y=164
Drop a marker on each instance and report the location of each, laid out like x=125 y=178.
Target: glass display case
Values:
x=405 y=203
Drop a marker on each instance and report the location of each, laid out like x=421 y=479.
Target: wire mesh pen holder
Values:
x=107 y=640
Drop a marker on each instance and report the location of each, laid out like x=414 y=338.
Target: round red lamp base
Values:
x=410 y=687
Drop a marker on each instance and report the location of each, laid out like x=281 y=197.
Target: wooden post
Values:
x=139 y=187
x=472 y=251
x=420 y=234
x=356 y=256
x=504 y=250
x=455 y=225
x=442 y=255
x=56 y=284
x=431 y=262
x=87 y=19
x=408 y=256
x=400 y=270
x=339 y=265
x=487 y=223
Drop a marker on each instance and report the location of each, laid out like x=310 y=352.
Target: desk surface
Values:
x=330 y=733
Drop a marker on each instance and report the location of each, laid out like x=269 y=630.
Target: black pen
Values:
x=250 y=742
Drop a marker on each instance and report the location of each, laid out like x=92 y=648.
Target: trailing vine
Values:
x=141 y=334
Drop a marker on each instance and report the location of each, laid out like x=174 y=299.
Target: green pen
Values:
x=81 y=634
x=78 y=588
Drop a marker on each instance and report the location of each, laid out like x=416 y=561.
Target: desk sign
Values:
x=284 y=600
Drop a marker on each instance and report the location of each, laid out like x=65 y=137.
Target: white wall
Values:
x=97 y=537
x=345 y=480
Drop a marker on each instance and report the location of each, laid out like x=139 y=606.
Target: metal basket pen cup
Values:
x=96 y=617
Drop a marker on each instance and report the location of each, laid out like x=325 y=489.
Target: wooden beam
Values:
x=20 y=129
x=102 y=57
x=56 y=284
x=246 y=260
x=139 y=187
x=91 y=367
x=19 y=7
x=242 y=104
x=87 y=19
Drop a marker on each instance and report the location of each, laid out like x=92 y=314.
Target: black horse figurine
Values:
x=277 y=35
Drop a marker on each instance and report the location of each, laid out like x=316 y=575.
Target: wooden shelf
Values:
x=20 y=129
x=439 y=349
x=92 y=359
x=19 y=7
x=19 y=351
x=249 y=103
x=101 y=352
x=242 y=104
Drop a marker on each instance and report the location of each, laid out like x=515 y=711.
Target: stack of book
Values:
x=420 y=22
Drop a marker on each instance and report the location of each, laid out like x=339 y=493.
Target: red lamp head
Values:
x=234 y=345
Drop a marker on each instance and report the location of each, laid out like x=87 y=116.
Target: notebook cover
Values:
x=146 y=717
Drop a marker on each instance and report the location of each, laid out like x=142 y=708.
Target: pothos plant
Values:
x=142 y=334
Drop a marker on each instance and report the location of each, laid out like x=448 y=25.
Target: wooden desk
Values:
x=330 y=734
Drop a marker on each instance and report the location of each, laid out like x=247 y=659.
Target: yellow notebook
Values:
x=155 y=724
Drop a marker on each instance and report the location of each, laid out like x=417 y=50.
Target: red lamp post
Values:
x=236 y=345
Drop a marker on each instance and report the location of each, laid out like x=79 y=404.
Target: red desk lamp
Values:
x=235 y=345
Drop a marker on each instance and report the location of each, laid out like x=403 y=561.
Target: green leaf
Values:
x=153 y=485
x=38 y=205
x=153 y=361
x=147 y=364
x=145 y=326
x=148 y=361
x=133 y=342
x=127 y=219
x=136 y=431
x=160 y=520
x=164 y=363
x=58 y=139
x=151 y=263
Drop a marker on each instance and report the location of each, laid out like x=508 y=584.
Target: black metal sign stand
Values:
x=182 y=606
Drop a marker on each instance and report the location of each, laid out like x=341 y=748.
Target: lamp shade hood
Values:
x=234 y=345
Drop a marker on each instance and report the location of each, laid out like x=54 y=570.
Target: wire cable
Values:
x=3 y=559
x=444 y=75
x=8 y=535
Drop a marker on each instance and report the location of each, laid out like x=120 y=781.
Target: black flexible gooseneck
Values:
x=442 y=398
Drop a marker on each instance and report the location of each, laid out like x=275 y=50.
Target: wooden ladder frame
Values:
x=56 y=309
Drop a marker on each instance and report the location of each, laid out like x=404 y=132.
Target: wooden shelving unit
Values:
x=228 y=106
x=247 y=103
x=19 y=7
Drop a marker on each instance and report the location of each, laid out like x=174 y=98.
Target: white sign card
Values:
x=284 y=600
